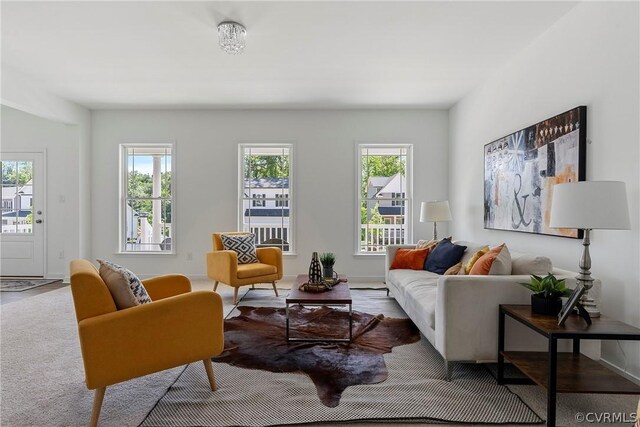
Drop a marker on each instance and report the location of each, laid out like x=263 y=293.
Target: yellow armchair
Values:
x=177 y=328
x=222 y=266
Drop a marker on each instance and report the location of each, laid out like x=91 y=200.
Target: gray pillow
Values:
x=125 y=287
x=531 y=264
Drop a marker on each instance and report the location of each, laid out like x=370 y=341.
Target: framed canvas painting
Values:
x=521 y=169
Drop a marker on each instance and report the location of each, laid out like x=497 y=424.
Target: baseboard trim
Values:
x=620 y=371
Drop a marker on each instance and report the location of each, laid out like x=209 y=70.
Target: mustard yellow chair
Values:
x=222 y=266
x=177 y=328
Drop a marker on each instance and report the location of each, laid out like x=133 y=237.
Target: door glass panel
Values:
x=17 y=197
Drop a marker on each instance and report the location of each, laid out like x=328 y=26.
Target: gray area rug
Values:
x=19 y=285
x=416 y=390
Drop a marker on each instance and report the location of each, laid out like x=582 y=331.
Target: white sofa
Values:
x=459 y=314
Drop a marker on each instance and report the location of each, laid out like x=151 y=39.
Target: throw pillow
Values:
x=125 y=287
x=412 y=259
x=454 y=269
x=475 y=257
x=445 y=255
x=531 y=264
x=495 y=262
x=242 y=244
x=426 y=244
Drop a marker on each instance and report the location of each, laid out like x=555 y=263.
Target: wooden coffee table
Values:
x=338 y=296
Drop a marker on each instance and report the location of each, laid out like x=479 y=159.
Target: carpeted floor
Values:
x=19 y=285
x=42 y=381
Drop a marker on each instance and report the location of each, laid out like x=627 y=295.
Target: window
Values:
x=282 y=201
x=384 y=196
x=17 y=196
x=265 y=184
x=147 y=219
x=258 y=200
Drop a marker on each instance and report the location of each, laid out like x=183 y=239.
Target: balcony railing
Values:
x=375 y=237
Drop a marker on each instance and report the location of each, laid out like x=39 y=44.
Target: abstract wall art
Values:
x=521 y=169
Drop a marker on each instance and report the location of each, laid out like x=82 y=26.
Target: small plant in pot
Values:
x=328 y=259
x=547 y=293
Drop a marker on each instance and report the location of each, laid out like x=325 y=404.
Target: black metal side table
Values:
x=564 y=372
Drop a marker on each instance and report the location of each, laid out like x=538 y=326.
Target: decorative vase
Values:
x=327 y=272
x=547 y=306
x=315 y=270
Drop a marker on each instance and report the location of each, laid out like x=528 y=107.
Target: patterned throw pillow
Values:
x=242 y=244
x=125 y=287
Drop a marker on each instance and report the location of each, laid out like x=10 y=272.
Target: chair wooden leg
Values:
x=253 y=286
x=215 y=285
x=97 y=405
x=212 y=379
x=274 y=288
x=235 y=295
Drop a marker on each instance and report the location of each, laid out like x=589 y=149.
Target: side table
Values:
x=564 y=372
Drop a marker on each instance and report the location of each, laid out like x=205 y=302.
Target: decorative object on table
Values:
x=327 y=259
x=521 y=171
x=547 y=293
x=590 y=205
x=315 y=271
x=231 y=36
x=574 y=302
x=433 y=212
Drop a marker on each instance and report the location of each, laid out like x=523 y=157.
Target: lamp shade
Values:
x=435 y=211
x=590 y=205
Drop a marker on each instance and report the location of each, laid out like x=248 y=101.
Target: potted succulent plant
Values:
x=328 y=259
x=547 y=293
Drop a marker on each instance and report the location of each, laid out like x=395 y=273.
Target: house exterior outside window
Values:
x=147 y=220
x=384 y=188
x=266 y=198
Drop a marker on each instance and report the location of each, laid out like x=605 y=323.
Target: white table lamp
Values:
x=589 y=205
x=435 y=211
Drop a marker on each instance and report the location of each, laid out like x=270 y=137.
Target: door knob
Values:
x=38 y=221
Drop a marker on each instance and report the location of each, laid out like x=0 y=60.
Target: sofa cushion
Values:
x=125 y=287
x=426 y=244
x=409 y=259
x=530 y=264
x=420 y=301
x=445 y=255
x=475 y=257
x=242 y=244
x=454 y=269
x=255 y=269
x=495 y=262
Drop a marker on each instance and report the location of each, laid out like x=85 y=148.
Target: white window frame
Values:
x=408 y=199
x=123 y=176
x=291 y=237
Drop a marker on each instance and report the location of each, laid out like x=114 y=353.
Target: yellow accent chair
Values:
x=222 y=266
x=177 y=328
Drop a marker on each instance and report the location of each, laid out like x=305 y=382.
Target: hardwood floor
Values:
x=9 y=297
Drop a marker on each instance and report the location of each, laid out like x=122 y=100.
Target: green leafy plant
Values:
x=547 y=287
x=328 y=259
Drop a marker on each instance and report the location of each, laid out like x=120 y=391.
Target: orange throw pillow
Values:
x=410 y=259
x=493 y=262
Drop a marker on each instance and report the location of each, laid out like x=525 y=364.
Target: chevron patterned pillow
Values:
x=125 y=287
x=243 y=244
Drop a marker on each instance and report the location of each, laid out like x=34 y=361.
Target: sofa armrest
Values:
x=389 y=254
x=467 y=314
x=165 y=286
x=151 y=337
x=223 y=266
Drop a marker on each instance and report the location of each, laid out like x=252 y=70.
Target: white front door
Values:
x=23 y=216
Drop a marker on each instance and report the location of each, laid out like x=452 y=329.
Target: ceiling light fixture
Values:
x=231 y=36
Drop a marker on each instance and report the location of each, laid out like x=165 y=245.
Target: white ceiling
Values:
x=298 y=54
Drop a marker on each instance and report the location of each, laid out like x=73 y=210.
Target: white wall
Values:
x=206 y=176
x=589 y=57
x=22 y=92
x=25 y=132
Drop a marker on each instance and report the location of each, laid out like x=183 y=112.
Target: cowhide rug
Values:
x=256 y=339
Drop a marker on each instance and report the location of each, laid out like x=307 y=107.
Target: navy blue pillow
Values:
x=445 y=255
